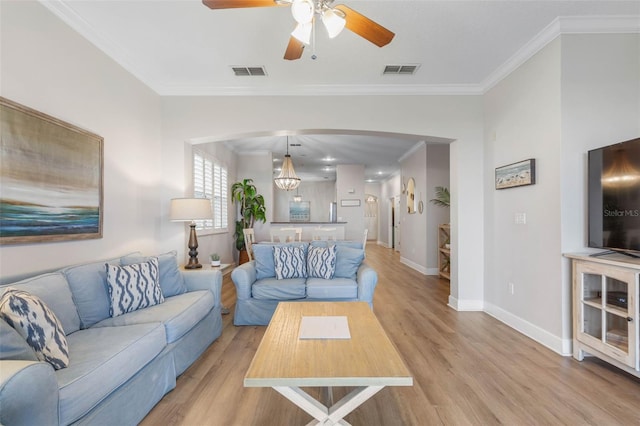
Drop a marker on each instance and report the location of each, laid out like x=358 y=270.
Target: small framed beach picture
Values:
x=51 y=174
x=516 y=174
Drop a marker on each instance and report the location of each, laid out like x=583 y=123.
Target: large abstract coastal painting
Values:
x=50 y=178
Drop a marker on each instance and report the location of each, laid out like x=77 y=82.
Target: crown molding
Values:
x=323 y=90
x=560 y=26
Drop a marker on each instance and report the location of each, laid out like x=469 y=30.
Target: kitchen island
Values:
x=308 y=227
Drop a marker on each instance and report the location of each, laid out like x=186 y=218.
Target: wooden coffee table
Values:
x=367 y=361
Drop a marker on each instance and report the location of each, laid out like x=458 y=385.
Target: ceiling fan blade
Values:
x=365 y=27
x=294 y=49
x=235 y=4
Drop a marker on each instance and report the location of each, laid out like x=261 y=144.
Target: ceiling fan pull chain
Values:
x=313 y=39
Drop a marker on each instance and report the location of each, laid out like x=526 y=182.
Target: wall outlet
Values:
x=511 y=289
x=520 y=218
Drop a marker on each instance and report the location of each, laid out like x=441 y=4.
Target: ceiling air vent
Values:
x=400 y=69
x=249 y=71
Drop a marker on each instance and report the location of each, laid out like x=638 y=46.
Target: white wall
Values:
x=578 y=93
x=413 y=227
x=388 y=189
x=522 y=120
x=47 y=66
x=455 y=117
x=437 y=175
x=371 y=210
x=600 y=106
x=350 y=186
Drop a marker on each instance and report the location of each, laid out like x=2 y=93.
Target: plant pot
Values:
x=215 y=263
x=243 y=257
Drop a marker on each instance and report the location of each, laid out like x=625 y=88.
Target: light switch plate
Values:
x=520 y=218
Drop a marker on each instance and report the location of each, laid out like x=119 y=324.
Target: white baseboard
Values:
x=555 y=343
x=433 y=271
x=465 y=305
x=413 y=265
x=383 y=244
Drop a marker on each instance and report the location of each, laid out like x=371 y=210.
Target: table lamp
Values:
x=190 y=210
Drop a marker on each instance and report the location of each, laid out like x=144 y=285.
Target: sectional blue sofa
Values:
x=119 y=367
x=259 y=289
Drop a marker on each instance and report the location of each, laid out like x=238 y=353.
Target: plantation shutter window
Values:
x=210 y=181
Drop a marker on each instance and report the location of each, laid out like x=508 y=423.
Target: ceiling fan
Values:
x=334 y=18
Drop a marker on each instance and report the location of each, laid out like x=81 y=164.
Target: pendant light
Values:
x=297 y=198
x=287 y=178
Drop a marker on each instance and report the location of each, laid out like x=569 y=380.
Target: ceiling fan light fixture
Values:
x=333 y=22
x=302 y=11
x=302 y=32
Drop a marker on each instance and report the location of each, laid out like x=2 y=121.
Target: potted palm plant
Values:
x=443 y=197
x=251 y=209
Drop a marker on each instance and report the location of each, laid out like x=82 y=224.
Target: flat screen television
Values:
x=614 y=197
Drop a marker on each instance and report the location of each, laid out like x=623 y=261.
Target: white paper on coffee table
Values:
x=324 y=327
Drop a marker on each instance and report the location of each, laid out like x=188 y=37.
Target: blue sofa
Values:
x=119 y=367
x=259 y=291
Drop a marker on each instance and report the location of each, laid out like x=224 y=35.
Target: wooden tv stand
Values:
x=605 y=309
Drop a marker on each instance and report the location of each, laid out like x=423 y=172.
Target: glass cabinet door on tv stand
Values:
x=605 y=309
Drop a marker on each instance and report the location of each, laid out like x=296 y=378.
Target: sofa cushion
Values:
x=289 y=262
x=103 y=359
x=133 y=287
x=337 y=288
x=54 y=291
x=39 y=326
x=348 y=261
x=13 y=345
x=321 y=262
x=88 y=283
x=263 y=255
x=179 y=314
x=274 y=289
x=171 y=280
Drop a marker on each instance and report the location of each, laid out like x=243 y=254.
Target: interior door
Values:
x=396 y=223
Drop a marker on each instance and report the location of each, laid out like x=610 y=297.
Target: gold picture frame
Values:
x=51 y=175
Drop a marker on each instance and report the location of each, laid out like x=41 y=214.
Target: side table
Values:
x=224 y=268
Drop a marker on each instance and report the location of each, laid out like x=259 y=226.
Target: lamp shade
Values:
x=189 y=209
x=333 y=22
x=302 y=11
x=302 y=33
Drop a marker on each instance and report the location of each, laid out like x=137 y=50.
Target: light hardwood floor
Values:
x=468 y=368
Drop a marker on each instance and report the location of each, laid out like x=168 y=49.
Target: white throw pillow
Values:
x=133 y=287
x=289 y=262
x=321 y=262
x=39 y=326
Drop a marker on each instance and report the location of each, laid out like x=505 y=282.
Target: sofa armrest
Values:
x=243 y=278
x=204 y=279
x=367 y=279
x=28 y=393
